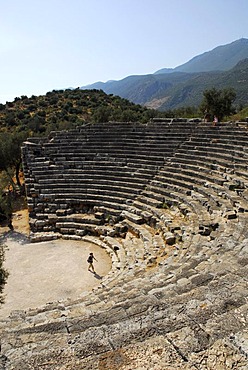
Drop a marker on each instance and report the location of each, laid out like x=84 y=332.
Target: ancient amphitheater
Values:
x=168 y=201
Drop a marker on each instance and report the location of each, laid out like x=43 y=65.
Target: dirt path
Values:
x=49 y=271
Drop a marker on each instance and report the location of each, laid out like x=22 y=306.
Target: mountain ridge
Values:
x=221 y=58
x=167 y=86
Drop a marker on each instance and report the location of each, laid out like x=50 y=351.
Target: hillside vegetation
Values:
x=64 y=109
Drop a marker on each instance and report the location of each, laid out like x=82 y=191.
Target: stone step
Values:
x=196 y=175
x=132 y=217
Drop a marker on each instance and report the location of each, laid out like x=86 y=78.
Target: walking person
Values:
x=90 y=260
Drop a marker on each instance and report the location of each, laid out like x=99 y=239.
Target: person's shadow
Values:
x=98 y=277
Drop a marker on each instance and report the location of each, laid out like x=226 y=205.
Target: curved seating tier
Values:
x=168 y=202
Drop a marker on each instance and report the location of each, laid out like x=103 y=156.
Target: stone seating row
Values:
x=126 y=127
x=108 y=139
x=84 y=187
x=218 y=186
x=226 y=138
x=58 y=171
x=204 y=200
x=111 y=142
x=199 y=159
x=86 y=153
x=76 y=178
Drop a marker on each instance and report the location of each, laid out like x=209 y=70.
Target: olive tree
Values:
x=10 y=155
x=10 y=162
x=218 y=102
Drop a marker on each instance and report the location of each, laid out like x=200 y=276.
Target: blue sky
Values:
x=53 y=44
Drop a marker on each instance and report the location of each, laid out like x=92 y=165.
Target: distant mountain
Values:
x=221 y=58
x=140 y=89
x=164 y=70
x=183 y=85
x=190 y=92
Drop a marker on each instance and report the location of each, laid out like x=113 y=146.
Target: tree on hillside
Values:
x=218 y=102
x=10 y=163
x=10 y=155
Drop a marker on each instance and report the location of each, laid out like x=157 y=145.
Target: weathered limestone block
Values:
x=52 y=217
x=61 y=212
x=133 y=217
x=146 y=216
x=222 y=355
x=99 y=215
x=230 y=215
x=170 y=238
x=240 y=341
x=40 y=223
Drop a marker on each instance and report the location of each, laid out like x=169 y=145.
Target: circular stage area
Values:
x=40 y=273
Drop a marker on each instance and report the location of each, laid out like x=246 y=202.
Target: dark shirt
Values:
x=90 y=259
